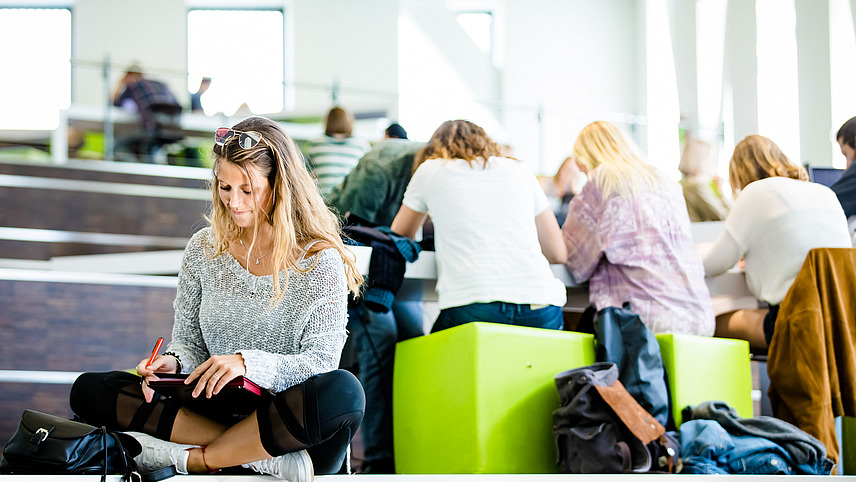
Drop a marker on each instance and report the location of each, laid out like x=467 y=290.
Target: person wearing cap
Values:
x=395 y=131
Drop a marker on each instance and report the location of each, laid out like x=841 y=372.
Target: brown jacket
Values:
x=812 y=356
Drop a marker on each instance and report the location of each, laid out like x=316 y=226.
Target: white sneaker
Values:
x=293 y=467
x=158 y=453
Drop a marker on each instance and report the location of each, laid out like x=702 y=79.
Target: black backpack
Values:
x=600 y=428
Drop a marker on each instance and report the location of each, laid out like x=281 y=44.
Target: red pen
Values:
x=155 y=351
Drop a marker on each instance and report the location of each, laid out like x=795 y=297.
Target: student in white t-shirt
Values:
x=778 y=216
x=495 y=234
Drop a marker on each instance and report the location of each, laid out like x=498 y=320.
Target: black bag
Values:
x=46 y=444
x=599 y=428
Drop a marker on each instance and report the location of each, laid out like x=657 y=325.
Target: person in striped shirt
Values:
x=334 y=155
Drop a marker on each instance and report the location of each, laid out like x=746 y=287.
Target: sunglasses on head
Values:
x=247 y=140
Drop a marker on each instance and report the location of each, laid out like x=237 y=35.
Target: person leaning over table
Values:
x=370 y=195
x=778 y=216
x=494 y=232
x=628 y=235
x=262 y=293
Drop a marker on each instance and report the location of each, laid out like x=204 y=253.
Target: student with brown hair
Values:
x=778 y=216
x=334 y=155
x=494 y=232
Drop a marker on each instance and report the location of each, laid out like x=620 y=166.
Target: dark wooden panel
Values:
x=73 y=327
x=100 y=213
x=44 y=251
x=80 y=327
x=17 y=397
x=60 y=172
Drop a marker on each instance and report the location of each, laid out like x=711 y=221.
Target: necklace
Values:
x=248 y=253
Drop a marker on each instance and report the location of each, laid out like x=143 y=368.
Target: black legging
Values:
x=320 y=414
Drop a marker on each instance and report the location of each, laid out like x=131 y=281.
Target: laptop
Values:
x=824 y=175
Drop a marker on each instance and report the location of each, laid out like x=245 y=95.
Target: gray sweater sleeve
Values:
x=187 y=341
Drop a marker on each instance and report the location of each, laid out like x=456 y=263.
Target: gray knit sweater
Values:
x=223 y=309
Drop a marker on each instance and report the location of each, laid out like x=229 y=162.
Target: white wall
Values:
x=576 y=57
x=354 y=42
x=153 y=33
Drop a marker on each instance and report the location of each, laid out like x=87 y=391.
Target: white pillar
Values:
x=682 y=23
x=815 y=91
x=853 y=11
x=740 y=70
x=639 y=131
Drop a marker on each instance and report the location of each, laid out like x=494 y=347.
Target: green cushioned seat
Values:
x=847 y=451
x=478 y=398
x=701 y=369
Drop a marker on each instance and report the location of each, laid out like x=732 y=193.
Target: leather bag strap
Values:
x=643 y=426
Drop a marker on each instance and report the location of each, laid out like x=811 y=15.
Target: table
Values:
x=728 y=290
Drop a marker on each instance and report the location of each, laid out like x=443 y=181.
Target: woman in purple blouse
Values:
x=628 y=235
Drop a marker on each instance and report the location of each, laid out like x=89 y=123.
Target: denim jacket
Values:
x=748 y=445
x=706 y=448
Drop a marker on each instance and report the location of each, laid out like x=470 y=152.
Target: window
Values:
x=252 y=74
x=36 y=60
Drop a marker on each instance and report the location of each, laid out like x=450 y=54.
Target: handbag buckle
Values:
x=41 y=434
x=38 y=437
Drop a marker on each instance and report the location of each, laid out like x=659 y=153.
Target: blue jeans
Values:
x=375 y=335
x=500 y=312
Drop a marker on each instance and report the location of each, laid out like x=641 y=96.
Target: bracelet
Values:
x=209 y=469
x=177 y=359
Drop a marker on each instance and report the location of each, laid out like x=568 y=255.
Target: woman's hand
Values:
x=162 y=364
x=215 y=373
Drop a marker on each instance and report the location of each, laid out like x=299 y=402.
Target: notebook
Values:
x=239 y=396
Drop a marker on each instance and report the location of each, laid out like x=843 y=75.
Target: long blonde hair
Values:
x=298 y=215
x=757 y=157
x=614 y=162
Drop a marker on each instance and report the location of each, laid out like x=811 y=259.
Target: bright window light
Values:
x=240 y=71
x=710 y=42
x=428 y=97
x=36 y=61
x=778 y=96
x=479 y=26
